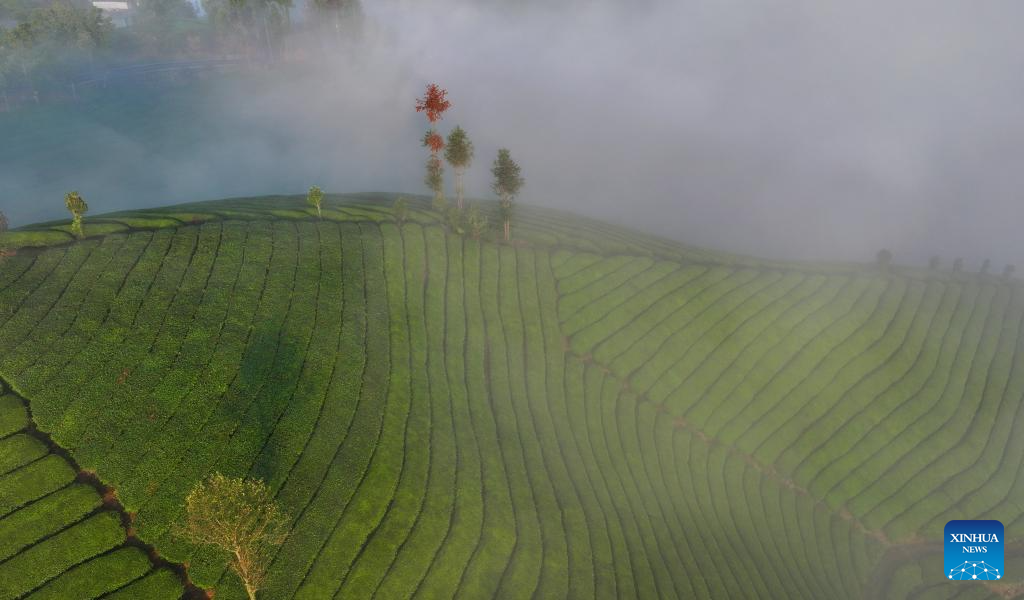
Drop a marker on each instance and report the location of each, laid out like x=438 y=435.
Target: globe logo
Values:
x=973 y=550
x=974 y=570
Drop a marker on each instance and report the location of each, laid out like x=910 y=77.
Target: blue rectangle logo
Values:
x=973 y=550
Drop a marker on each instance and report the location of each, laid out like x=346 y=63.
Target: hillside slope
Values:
x=590 y=412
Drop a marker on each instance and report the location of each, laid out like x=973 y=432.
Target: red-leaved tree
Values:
x=434 y=103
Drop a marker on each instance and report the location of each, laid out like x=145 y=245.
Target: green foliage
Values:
x=507 y=176
x=455 y=220
x=51 y=39
x=476 y=222
x=459 y=154
x=507 y=182
x=459 y=149
x=104 y=574
x=164 y=26
x=95 y=535
x=594 y=414
x=3 y=230
x=434 y=180
x=32 y=482
x=18 y=450
x=45 y=517
x=242 y=25
x=159 y=584
x=77 y=207
x=315 y=197
x=240 y=518
x=400 y=209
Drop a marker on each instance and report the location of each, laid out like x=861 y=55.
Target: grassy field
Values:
x=589 y=412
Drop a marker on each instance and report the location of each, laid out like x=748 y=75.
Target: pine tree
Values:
x=507 y=182
x=459 y=154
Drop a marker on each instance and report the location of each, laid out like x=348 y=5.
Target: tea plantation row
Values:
x=587 y=413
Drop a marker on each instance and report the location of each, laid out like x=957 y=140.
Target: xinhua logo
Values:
x=973 y=550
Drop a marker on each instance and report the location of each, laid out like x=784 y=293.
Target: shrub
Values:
x=434 y=179
x=400 y=209
x=315 y=197
x=77 y=206
x=454 y=219
x=476 y=222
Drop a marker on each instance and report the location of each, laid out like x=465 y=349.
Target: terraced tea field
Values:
x=589 y=412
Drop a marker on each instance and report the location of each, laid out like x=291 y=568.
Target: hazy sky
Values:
x=802 y=129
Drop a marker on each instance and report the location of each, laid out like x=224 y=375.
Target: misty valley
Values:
x=580 y=299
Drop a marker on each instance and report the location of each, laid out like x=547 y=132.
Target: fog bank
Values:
x=792 y=130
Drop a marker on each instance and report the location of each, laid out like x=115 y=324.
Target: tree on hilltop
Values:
x=238 y=517
x=434 y=179
x=507 y=182
x=476 y=222
x=3 y=229
x=459 y=155
x=77 y=207
x=401 y=209
x=434 y=103
x=884 y=258
x=315 y=197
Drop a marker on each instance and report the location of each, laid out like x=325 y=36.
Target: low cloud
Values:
x=794 y=130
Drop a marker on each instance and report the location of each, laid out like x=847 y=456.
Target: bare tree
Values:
x=240 y=517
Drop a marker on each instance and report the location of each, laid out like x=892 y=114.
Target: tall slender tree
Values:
x=507 y=182
x=434 y=103
x=77 y=207
x=434 y=179
x=459 y=154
